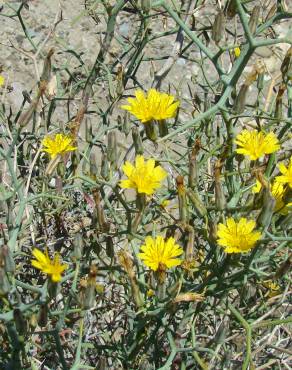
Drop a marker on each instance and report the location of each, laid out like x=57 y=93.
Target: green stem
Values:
x=248 y=331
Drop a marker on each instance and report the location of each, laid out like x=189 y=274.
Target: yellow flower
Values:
x=58 y=144
x=237 y=52
x=53 y=268
x=150 y=293
x=237 y=237
x=164 y=203
x=155 y=106
x=286 y=172
x=278 y=191
x=2 y=81
x=144 y=176
x=273 y=288
x=257 y=187
x=160 y=253
x=256 y=144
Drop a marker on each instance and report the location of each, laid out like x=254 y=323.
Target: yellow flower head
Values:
x=2 y=81
x=144 y=176
x=286 y=177
x=278 y=192
x=237 y=237
x=153 y=106
x=257 y=187
x=256 y=144
x=164 y=203
x=160 y=253
x=58 y=144
x=237 y=52
x=273 y=288
x=53 y=268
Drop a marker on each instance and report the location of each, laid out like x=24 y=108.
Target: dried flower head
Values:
x=256 y=144
x=286 y=177
x=153 y=106
x=58 y=144
x=160 y=253
x=53 y=268
x=144 y=177
x=237 y=237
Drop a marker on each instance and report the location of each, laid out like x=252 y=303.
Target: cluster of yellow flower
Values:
x=145 y=178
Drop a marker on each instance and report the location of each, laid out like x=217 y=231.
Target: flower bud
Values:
x=90 y=293
x=88 y=131
x=260 y=81
x=220 y=199
x=182 y=201
x=193 y=168
x=146 y=6
x=271 y=12
x=137 y=141
x=240 y=101
x=75 y=158
x=212 y=231
x=47 y=68
x=33 y=322
x=109 y=247
x=279 y=101
x=101 y=219
x=151 y=130
x=20 y=322
x=231 y=8
x=43 y=315
x=78 y=245
x=4 y=283
x=218 y=28
x=286 y=62
x=9 y=264
x=190 y=244
x=104 y=170
x=93 y=170
x=126 y=127
x=269 y=202
x=112 y=154
x=254 y=18
x=120 y=80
